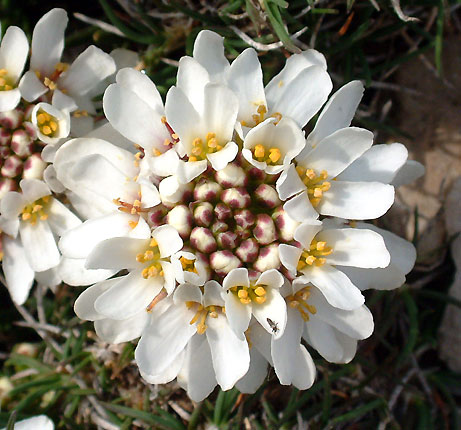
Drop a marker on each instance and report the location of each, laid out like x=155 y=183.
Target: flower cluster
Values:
x=210 y=226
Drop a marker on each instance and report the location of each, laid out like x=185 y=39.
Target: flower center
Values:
x=188 y=265
x=200 y=148
x=259 y=117
x=271 y=156
x=299 y=301
x=315 y=255
x=151 y=258
x=315 y=184
x=201 y=314
x=50 y=81
x=5 y=82
x=253 y=293
x=36 y=210
x=47 y=123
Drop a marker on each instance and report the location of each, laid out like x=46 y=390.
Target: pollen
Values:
x=151 y=259
x=202 y=313
x=253 y=293
x=299 y=301
x=259 y=117
x=316 y=184
x=5 y=83
x=201 y=148
x=315 y=255
x=36 y=211
x=47 y=124
x=188 y=265
x=270 y=156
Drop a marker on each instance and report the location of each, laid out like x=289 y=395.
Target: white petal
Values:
x=273 y=309
x=18 y=273
x=165 y=164
x=189 y=170
x=213 y=294
x=9 y=226
x=306 y=232
x=370 y=166
x=338 y=112
x=31 y=87
x=304 y=95
x=209 y=52
x=337 y=151
x=12 y=204
x=379 y=279
x=289 y=257
x=300 y=208
x=322 y=338
x=256 y=374
x=150 y=196
x=356 y=200
x=84 y=305
x=89 y=68
x=49 y=278
x=169 y=279
x=168 y=374
x=113 y=331
x=9 y=99
x=60 y=218
x=169 y=241
x=355 y=247
x=289 y=183
x=72 y=271
x=336 y=287
x=271 y=277
x=236 y=277
x=237 y=313
x=48 y=41
x=63 y=102
x=187 y=293
x=231 y=358
x=13 y=52
x=292 y=362
x=219 y=160
x=245 y=78
x=108 y=133
x=34 y=189
x=410 y=171
x=40 y=422
x=39 y=245
x=130 y=295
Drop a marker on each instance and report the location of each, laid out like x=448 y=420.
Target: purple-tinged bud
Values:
x=203 y=240
x=34 y=167
x=222 y=262
x=6 y=185
x=181 y=219
x=231 y=176
x=31 y=130
x=219 y=227
x=268 y=258
x=244 y=218
x=207 y=191
x=256 y=174
x=227 y=240
x=236 y=198
x=12 y=167
x=28 y=112
x=5 y=136
x=21 y=143
x=248 y=250
x=4 y=152
x=267 y=195
x=11 y=119
x=264 y=232
x=203 y=214
x=286 y=225
x=156 y=216
x=222 y=212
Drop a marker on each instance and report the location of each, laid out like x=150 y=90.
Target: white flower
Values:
x=13 y=55
x=189 y=269
x=51 y=123
x=40 y=422
x=323 y=249
x=259 y=297
x=37 y=217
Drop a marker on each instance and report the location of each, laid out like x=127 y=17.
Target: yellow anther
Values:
x=320 y=261
x=175 y=136
x=148 y=255
x=299 y=301
x=36 y=210
x=44 y=217
x=277 y=116
x=310 y=260
x=274 y=155
x=310 y=173
x=140 y=258
x=320 y=246
x=2 y=82
x=53 y=126
x=260 y=291
x=153 y=243
x=41 y=118
x=163 y=119
x=156 y=152
x=259 y=151
x=315 y=184
x=192 y=158
x=61 y=67
x=26 y=216
x=242 y=294
x=137 y=203
x=212 y=143
x=315 y=255
x=210 y=136
x=46 y=130
x=132 y=224
x=260 y=300
x=50 y=84
x=3 y=72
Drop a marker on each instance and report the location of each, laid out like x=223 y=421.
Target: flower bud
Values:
x=21 y=143
x=285 y=224
x=231 y=176
x=12 y=167
x=34 y=167
x=181 y=219
x=203 y=214
x=267 y=195
x=207 y=191
x=227 y=240
x=244 y=218
x=203 y=240
x=11 y=119
x=264 y=232
x=222 y=212
x=5 y=136
x=219 y=227
x=256 y=174
x=248 y=250
x=268 y=258
x=6 y=185
x=236 y=198
x=222 y=262
x=156 y=216
x=4 y=152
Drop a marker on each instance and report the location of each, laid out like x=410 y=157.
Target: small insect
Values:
x=273 y=325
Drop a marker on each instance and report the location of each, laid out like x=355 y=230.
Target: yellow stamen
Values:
x=299 y=301
x=315 y=184
x=315 y=255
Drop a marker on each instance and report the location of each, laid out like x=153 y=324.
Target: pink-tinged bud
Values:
x=6 y=185
x=286 y=225
x=5 y=136
x=21 y=143
x=236 y=198
x=4 y=152
x=227 y=240
x=256 y=174
x=181 y=219
x=34 y=167
x=248 y=250
x=31 y=130
x=244 y=218
x=12 y=167
x=207 y=191
x=203 y=214
x=268 y=258
x=11 y=119
x=219 y=227
x=267 y=195
x=156 y=216
x=264 y=232
x=203 y=240
x=231 y=176
x=222 y=262
x=222 y=212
